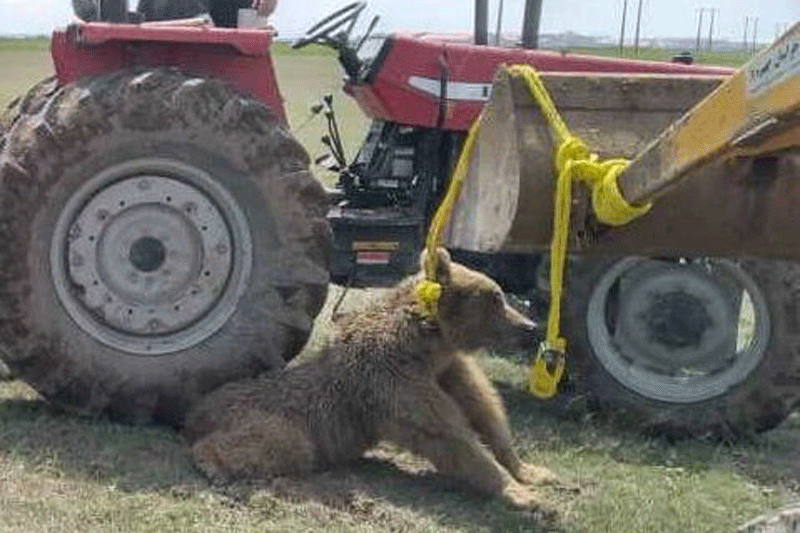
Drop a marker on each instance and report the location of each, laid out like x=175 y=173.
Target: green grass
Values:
x=23 y=63
x=62 y=473
x=285 y=48
x=304 y=80
x=24 y=44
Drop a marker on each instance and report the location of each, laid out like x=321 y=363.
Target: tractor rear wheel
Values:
x=162 y=235
x=687 y=347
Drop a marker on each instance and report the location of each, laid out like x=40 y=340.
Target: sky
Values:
x=660 y=18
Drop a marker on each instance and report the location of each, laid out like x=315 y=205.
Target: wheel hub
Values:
x=676 y=320
x=672 y=330
x=143 y=257
x=673 y=316
x=147 y=254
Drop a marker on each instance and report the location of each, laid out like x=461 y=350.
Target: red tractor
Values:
x=163 y=233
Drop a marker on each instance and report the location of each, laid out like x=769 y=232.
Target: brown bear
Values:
x=389 y=373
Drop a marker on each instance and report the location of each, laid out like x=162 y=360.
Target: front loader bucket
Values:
x=709 y=202
x=507 y=198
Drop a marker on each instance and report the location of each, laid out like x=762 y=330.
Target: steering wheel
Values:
x=322 y=31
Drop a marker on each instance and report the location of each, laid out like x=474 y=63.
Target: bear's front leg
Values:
x=480 y=402
x=430 y=423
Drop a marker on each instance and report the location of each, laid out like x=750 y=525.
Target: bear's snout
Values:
x=520 y=332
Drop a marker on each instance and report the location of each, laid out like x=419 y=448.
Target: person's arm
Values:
x=86 y=10
x=225 y=12
x=265 y=7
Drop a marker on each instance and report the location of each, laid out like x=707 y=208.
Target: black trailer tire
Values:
x=228 y=265
x=734 y=388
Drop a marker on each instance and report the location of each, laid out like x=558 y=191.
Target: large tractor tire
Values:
x=161 y=234
x=687 y=347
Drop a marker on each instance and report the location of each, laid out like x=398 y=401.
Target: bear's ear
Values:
x=443 y=262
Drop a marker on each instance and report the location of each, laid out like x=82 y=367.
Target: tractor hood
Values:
x=433 y=80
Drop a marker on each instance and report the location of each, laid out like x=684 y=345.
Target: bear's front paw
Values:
x=522 y=498
x=531 y=474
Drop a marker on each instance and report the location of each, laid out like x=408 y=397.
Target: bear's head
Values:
x=472 y=312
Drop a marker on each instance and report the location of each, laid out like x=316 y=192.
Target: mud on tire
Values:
x=711 y=396
x=229 y=156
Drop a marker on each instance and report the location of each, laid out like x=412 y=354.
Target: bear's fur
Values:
x=388 y=373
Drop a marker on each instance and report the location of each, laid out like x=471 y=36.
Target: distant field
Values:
x=731 y=59
x=43 y=43
x=32 y=55
x=304 y=77
x=23 y=62
x=8 y=44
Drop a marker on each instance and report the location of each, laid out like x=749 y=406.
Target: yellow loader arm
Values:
x=755 y=112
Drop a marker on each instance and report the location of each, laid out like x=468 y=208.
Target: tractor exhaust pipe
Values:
x=482 y=22
x=114 y=10
x=530 y=25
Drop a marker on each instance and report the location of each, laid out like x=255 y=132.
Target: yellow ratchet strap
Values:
x=429 y=290
x=573 y=162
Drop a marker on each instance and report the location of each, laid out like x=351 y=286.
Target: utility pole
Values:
x=499 y=24
x=777 y=30
x=755 y=33
x=699 y=28
x=638 y=27
x=711 y=29
x=744 y=41
x=530 y=23
x=622 y=27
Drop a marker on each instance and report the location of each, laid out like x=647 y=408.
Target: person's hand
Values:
x=264 y=7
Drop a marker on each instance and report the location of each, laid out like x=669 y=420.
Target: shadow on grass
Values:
x=770 y=458
x=152 y=458
x=129 y=457
x=364 y=489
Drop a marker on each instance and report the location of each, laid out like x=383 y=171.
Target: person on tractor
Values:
x=224 y=13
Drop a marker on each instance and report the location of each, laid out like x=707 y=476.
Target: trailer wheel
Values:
x=161 y=235
x=688 y=347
